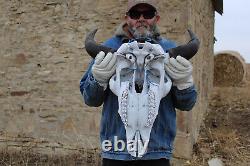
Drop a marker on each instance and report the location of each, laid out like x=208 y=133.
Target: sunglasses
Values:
x=135 y=15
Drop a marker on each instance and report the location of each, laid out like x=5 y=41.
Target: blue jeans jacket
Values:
x=164 y=129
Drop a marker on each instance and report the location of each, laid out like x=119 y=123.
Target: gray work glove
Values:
x=180 y=71
x=104 y=67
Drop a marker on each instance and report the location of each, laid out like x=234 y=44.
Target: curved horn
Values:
x=187 y=50
x=92 y=47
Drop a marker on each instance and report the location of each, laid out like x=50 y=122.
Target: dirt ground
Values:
x=226 y=129
x=224 y=135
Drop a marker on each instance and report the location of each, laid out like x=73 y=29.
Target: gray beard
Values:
x=139 y=35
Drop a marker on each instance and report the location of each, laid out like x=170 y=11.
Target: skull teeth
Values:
x=152 y=112
x=124 y=107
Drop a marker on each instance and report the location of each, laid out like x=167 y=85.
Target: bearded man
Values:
x=140 y=25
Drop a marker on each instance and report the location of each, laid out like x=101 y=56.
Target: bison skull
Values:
x=140 y=83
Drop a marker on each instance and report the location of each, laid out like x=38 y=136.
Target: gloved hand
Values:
x=104 y=67
x=180 y=71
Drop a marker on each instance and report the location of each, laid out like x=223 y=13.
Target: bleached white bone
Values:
x=141 y=64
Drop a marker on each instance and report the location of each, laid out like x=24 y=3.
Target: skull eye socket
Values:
x=149 y=58
x=130 y=57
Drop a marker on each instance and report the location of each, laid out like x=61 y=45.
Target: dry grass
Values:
x=226 y=130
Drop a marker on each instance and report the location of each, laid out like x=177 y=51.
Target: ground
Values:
x=226 y=129
x=224 y=135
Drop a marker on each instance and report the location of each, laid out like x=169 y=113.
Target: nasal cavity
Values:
x=138 y=87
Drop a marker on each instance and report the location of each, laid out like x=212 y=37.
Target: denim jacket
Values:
x=164 y=129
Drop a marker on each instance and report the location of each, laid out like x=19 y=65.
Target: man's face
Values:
x=142 y=20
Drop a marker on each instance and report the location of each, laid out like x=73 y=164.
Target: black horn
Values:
x=187 y=50
x=93 y=48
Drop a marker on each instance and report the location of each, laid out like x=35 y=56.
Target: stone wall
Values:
x=200 y=17
x=42 y=59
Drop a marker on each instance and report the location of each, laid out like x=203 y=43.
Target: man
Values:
x=140 y=24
